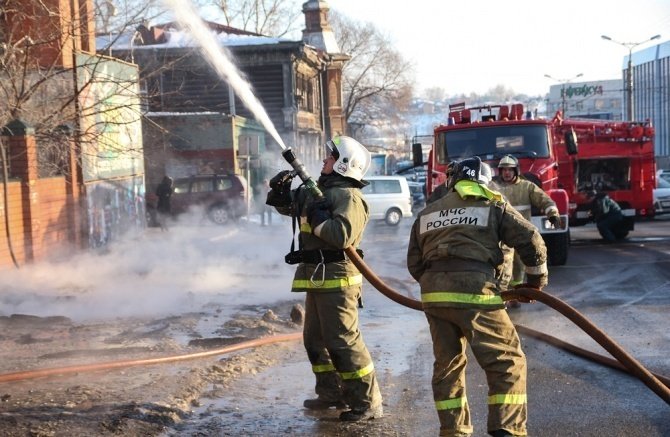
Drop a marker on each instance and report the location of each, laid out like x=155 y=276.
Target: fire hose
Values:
x=628 y=363
x=633 y=366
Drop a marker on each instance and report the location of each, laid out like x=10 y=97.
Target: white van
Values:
x=389 y=198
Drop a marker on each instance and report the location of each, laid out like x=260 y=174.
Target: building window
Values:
x=304 y=93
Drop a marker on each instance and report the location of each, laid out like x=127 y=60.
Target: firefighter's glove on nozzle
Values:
x=280 y=189
x=318 y=212
x=556 y=222
x=282 y=180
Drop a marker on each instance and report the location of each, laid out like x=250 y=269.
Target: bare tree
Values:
x=435 y=94
x=266 y=17
x=45 y=81
x=377 y=79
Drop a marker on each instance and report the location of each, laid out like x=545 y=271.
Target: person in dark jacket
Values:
x=342 y=365
x=164 y=194
x=607 y=215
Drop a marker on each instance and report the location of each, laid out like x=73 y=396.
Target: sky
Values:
x=473 y=46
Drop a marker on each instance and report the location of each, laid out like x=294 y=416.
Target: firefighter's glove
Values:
x=318 y=212
x=537 y=281
x=555 y=220
x=521 y=298
x=282 y=181
x=280 y=189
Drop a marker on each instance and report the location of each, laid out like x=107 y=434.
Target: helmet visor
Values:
x=331 y=149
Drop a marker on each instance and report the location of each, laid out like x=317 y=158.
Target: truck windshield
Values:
x=492 y=142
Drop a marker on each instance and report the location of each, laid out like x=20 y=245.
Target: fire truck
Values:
x=567 y=158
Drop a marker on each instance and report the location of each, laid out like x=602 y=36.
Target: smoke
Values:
x=160 y=273
x=217 y=56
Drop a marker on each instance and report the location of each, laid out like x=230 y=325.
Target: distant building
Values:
x=651 y=93
x=299 y=84
x=596 y=99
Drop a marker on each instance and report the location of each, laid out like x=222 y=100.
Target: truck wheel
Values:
x=393 y=217
x=557 y=248
x=620 y=234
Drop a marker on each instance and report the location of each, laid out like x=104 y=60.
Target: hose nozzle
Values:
x=301 y=171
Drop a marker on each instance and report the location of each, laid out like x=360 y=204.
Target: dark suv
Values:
x=223 y=197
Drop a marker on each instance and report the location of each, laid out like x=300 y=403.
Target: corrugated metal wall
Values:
x=651 y=91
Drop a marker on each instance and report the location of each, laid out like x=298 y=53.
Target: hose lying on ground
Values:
x=634 y=367
x=601 y=359
x=628 y=362
x=30 y=374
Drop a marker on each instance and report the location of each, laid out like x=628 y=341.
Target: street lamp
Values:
x=629 y=71
x=563 y=94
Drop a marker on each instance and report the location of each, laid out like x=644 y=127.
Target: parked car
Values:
x=661 y=195
x=418 y=196
x=389 y=198
x=221 y=197
x=663 y=174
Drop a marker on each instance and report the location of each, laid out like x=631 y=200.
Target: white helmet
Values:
x=509 y=161
x=352 y=158
x=485 y=174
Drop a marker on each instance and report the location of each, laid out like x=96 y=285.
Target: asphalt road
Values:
x=623 y=288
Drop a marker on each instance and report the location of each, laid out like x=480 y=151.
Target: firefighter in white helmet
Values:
x=523 y=195
x=344 y=371
x=454 y=253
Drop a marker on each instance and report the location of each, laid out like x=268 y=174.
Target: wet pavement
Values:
x=623 y=288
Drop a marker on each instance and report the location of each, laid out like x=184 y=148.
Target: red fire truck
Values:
x=567 y=158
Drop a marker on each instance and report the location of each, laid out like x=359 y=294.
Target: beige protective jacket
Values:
x=522 y=194
x=454 y=250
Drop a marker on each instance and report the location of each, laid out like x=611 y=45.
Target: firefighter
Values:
x=454 y=252
x=607 y=215
x=523 y=195
x=344 y=371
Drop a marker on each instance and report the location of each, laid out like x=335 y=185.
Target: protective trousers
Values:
x=340 y=360
x=496 y=347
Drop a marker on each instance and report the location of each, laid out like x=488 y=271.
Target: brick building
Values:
x=72 y=171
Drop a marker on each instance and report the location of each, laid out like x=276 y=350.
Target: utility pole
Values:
x=630 y=108
x=563 y=94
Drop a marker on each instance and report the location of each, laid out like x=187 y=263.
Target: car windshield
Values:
x=662 y=183
x=493 y=142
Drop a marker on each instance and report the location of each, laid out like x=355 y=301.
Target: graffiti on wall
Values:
x=110 y=117
x=115 y=208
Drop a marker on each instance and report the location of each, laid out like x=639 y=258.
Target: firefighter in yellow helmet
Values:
x=454 y=252
x=344 y=371
x=523 y=195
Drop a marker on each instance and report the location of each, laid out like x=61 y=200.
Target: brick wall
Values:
x=14 y=208
x=42 y=213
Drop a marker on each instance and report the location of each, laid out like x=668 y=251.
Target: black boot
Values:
x=323 y=404
x=355 y=414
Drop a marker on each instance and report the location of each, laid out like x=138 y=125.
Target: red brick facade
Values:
x=40 y=214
